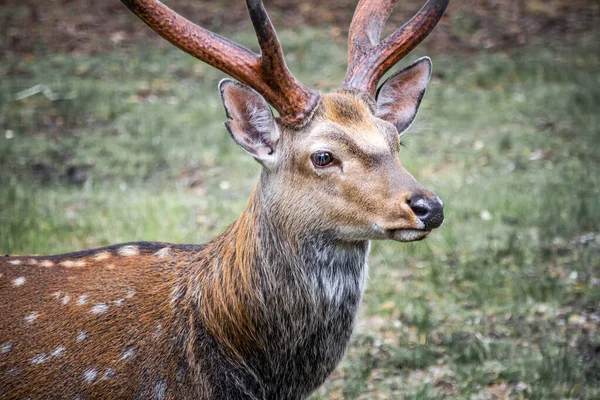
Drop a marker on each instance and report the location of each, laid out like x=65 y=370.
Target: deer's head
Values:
x=330 y=161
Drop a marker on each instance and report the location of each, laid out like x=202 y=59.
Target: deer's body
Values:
x=266 y=309
x=130 y=321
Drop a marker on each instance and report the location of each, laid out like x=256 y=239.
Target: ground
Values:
x=114 y=139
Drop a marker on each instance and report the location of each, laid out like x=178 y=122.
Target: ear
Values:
x=399 y=97
x=251 y=122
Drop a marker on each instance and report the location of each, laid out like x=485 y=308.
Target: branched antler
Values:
x=368 y=59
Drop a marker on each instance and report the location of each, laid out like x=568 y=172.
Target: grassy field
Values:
x=501 y=302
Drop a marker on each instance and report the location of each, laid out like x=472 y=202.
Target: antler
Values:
x=368 y=59
x=266 y=73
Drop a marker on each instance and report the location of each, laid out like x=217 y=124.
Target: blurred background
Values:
x=109 y=134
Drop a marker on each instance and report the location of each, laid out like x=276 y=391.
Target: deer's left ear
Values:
x=399 y=97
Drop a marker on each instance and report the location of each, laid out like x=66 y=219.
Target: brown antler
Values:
x=266 y=73
x=368 y=59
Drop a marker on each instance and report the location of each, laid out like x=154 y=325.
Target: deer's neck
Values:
x=269 y=294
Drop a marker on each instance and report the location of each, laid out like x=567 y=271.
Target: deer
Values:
x=266 y=309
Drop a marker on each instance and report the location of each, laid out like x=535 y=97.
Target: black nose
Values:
x=429 y=211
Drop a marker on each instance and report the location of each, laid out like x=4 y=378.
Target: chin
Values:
x=408 y=235
x=376 y=232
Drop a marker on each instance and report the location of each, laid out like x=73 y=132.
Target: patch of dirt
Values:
x=90 y=26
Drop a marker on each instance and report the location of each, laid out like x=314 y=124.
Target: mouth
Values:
x=402 y=234
x=407 y=235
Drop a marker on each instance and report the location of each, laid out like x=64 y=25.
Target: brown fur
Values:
x=229 y=294
x=350 y=111
x=125 y=290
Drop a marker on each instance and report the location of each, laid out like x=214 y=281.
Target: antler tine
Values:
x=367 y=23
x=267 y=73
x=299 y=101
x=369 y=61
x=271 y=51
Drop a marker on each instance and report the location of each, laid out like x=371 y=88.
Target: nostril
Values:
x=420 y=211
x=419 y=205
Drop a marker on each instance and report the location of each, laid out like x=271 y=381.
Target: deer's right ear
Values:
x=251 y=122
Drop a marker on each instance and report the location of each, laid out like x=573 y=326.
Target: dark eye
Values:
x=321 y=158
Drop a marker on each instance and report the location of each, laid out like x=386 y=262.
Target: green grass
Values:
x=503 y=300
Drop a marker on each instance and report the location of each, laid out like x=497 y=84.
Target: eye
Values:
x=321 y=158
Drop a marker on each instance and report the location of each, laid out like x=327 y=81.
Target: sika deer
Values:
x=266 y=309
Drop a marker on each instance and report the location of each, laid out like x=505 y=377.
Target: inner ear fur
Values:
x=399 y=97
x=250 y=120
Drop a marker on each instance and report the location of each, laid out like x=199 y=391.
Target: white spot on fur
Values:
x=164 y=252
x=81 y=336
x=89 y=375
x=56 y=295
x=119 y=302
x=128 y=251
x=128 y=353
x=39 y=358
x=47 y=263
x=73 y=264
x=160 y=389
x=6 y=347
x=66 y=299
x=18 y=281
x=58 y=351
x=103 y=255
x=29 y=318
x=99 y=308
x=32 y=261
x=130 y=293
x=15 y=262
x=82 y=300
